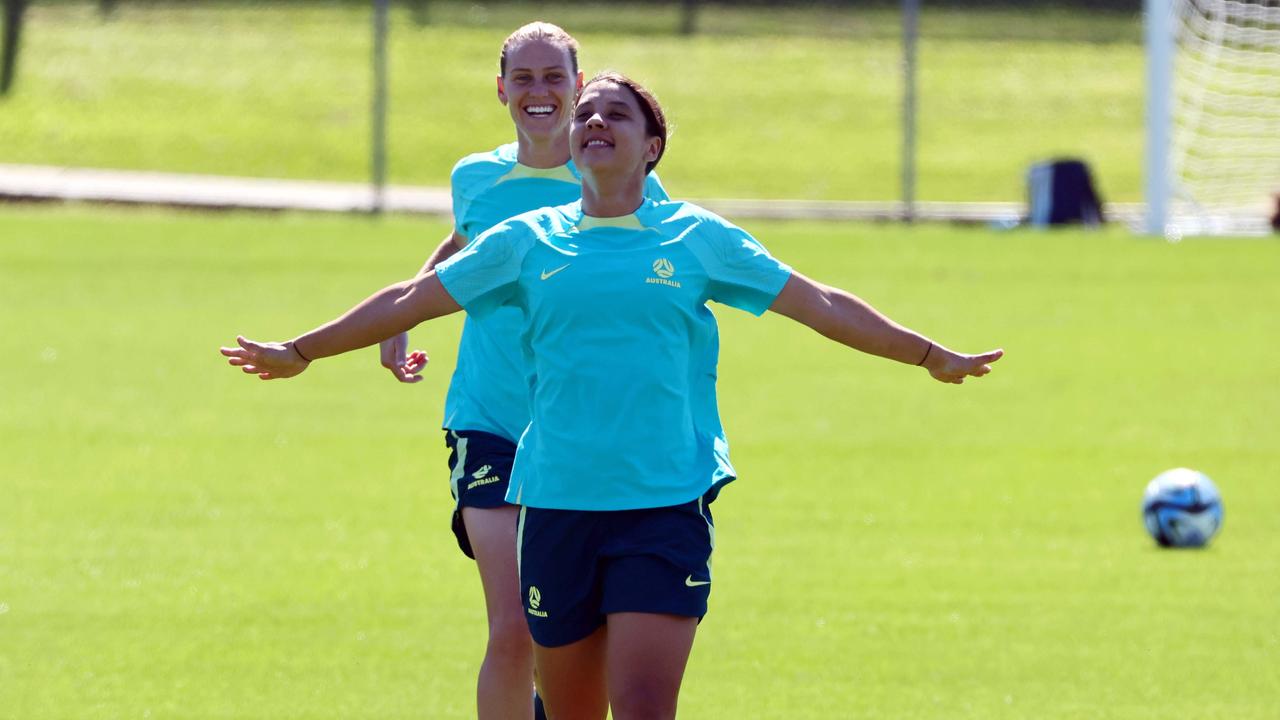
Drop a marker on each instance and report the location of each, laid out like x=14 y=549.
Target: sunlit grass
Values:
x=180 y=541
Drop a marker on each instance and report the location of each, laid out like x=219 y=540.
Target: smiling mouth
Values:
x=597 y=142
x=540 y=111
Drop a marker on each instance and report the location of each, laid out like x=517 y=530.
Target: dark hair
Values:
x=655 y=121
x=539 y=30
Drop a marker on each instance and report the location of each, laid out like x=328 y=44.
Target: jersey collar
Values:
x=629 y=222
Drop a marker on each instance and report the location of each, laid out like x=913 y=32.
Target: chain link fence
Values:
x=803 y=101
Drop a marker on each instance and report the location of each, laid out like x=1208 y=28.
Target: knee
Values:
x=644 y=701
x=509 y=640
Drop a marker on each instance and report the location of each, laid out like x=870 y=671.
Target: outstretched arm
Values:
x=392 y=310
x=406 y=367
x=849 y=320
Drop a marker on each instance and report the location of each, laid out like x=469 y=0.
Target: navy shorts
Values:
x=479 y=472
x=577 y=567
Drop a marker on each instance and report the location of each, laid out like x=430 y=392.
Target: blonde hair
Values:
x=539 y=30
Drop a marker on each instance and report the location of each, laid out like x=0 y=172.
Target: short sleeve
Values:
x=653 y=188
x=484 y=275
x=458 y=196
x=741 y=272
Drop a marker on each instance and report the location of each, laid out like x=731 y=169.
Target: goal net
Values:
x=1213 y=116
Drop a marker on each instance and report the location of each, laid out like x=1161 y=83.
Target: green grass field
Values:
x=801 y=103
x=180 y=541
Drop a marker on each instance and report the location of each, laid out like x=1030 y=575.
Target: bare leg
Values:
x=646 y=655
x=571 y=678
x=505 y=687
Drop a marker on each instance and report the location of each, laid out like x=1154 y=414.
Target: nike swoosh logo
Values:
x=546 y=274
x=695 y=583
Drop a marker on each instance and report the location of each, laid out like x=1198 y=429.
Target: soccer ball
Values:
x=1182 y=508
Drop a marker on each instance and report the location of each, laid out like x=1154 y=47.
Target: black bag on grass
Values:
x=1060 y=192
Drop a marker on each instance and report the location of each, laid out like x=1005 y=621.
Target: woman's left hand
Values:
x=269 y=361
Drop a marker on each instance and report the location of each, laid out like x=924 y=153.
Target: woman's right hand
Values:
x=406 y=369
x=953 y=367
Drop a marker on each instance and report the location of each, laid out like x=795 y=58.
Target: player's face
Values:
x=539 y=88
x=608 y=131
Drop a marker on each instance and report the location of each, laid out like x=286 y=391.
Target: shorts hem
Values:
x=579 y=633
x=698 y=613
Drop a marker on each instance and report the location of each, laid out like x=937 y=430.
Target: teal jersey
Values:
x=488 y=391
x=620 y=346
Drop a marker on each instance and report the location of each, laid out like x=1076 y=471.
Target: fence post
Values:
x=13 y=10
x=910 y=32
x=688 y=17
x=421 y=14
x=379 y=116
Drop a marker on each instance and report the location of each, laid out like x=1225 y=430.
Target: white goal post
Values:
x=1213 y=116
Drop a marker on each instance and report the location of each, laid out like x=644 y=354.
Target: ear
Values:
x=502 y=91
x=580 y=90
x=654 y=149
